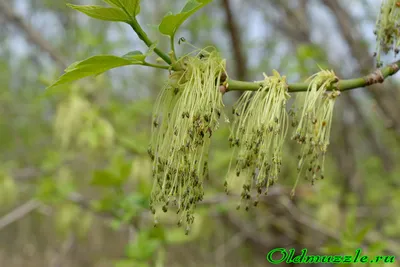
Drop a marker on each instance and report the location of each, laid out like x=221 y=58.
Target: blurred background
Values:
x=75 y=177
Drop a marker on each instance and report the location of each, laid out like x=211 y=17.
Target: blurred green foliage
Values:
x=80 y=151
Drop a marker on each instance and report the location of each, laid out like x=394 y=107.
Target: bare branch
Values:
x=236 y=41
x=18 y=213
x=33 y=35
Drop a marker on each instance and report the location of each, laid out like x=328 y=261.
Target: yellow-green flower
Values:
x=186 y=115
x=387 y=28
x=313 y=129
x=259 y=130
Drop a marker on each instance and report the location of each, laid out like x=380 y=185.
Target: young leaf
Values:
x=92 y=66
x=135 y=55
x=103 y=13
x=130 y=7
x=139 y=56
x=360 y=236
x=170 y=23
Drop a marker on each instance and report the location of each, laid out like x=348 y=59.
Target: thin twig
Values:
x=18 y=213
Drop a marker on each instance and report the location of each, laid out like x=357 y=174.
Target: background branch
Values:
x=386 y=99
x=18 y=213
x=235 y=41
x=33 y=35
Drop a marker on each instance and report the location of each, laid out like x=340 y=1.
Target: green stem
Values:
x=156 y=66
x=143 y=36
x=378 y=76
x=172 y=40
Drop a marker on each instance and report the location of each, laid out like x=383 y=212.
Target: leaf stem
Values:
x=378 y=76
x=156 y=66
x=172 y=41
x=143 y=36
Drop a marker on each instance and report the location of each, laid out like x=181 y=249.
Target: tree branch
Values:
x=33 y=35
x=378 y=76
x=236 y=40
x=19 y=213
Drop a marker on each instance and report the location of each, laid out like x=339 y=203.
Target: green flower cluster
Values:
x=186 y=115
x=388 y=29
x=314 y=127
x=259 y=130
x=188 y=111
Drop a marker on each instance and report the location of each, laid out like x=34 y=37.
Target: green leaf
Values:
x=72 y=66
x=103 y=13
x=130 y=7
x=360 y=236
x=377 y=247
x=138 y=55
x=177 y=236
x=121 y=166
x=351 y=222
x=157 y=233
x=170 y=23
x=92 y=66
x=47 y=191
x=125 y=170
x=106 y=178
x=143 y=247
x=106 y=203
x=135 y=55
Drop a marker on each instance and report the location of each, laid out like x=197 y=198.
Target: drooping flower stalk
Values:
x=187 y=113
x=314 y=126
x=259 y=130
x=388 y=29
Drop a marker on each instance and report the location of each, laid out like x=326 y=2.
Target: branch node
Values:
x=394 y=68
x=375 y=77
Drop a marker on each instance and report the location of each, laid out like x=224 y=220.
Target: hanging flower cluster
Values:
x=188 y=111
x=259 y=130
x=388 y=29
x=186 y=115
x=314 y=126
